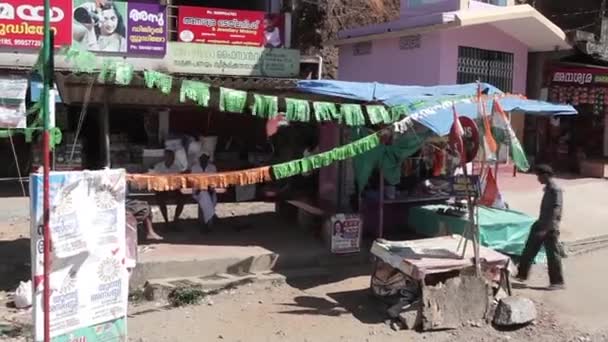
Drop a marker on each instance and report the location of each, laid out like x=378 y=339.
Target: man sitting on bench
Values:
x=169 y=166
x=207 y=199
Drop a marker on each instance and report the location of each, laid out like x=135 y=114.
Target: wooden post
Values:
x=381 y=206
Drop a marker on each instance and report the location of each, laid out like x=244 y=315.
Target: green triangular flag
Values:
x=233 y=101
x=297 y=110
x=325 y=111
x=352 y=114
x=265 y=106
x=378 y=114
x=155 y=79
x=195 y=91
x=123 y=73
x=399 y=111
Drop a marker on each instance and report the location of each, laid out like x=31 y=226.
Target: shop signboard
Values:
x=462 y=186
x=345 y=230
x=579 y=76
x=120 y=27
x=232 y=60
x=12 y=101
x=22 y=23
x=230 y=27
x=88 y=279
x=147 y=29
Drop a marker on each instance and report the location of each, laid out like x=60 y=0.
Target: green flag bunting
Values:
x=324 y=159
x=233 y=101
x=352 y=115
x=378 y=114
x=195 y=91
x=155 y=79
x=297 y=110
x=265 y=106
x=325 y=111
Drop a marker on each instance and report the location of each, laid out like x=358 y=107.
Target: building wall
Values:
x=435 y=62
x=411 y=8
x=489 y=38
x=387 y=63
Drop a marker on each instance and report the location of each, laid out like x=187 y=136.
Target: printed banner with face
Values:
x=120 y=27
x=230 y=27
x=22 y=23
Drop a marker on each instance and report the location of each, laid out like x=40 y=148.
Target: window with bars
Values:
x=494 y=67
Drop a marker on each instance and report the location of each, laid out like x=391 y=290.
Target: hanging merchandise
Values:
x=378 y=114
x=233 y=101
x=325 y=111
x=264 y=106
x=195 y=91
x=297 y=110
x=155 y=79
x=352 y=115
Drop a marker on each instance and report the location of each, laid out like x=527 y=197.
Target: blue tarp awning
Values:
x=431 y=106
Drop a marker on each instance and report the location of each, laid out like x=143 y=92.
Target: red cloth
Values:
x=438 y=162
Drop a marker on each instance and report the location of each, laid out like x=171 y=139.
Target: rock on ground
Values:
x=514 y=311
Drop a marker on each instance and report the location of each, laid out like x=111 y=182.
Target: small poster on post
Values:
x=345 y=233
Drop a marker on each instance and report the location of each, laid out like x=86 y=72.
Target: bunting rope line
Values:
x=235 y=101
x=171 y=182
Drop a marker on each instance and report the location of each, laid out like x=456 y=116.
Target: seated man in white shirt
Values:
x=207 y=199
x=169 y=166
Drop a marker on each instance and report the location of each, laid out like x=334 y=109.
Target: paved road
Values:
x=585 y=203
x=584 y=303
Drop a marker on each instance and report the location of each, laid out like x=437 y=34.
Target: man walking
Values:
x=545 y=231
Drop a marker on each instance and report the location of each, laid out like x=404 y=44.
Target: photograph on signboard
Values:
x=100 y=25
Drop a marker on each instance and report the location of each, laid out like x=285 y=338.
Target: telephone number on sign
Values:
x=26 y=42
x=19 y=42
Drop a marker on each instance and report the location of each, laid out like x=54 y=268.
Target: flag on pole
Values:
x=490 y=190
x=501 y=120
x=455 y=139
x=489 y=143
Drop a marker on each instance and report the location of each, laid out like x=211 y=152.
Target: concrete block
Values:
x=459 y=300
x=514 y=311
x=411 y=318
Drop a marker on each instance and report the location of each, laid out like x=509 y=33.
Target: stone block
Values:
x=513 y=311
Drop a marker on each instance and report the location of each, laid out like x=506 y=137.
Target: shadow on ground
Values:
x=359 y=303
x=14 y=263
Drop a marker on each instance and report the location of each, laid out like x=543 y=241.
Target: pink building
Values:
x=443 y=42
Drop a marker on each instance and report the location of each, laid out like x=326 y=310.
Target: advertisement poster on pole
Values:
x=345 y=230
x=22 y=23
x=230 y=27
x=88 y=278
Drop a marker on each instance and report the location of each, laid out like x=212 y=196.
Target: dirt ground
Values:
x=329 y=309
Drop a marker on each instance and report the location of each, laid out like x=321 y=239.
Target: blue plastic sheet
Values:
x=432 y=106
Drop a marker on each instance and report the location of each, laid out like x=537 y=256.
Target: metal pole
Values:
x=47 y=78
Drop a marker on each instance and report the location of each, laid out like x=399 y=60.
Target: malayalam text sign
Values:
x=230 y=27
x=233 y=60
x=147 y=29
x=22 y=23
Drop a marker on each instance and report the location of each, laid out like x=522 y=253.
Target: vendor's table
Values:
x=501 y=230
x=419 y=258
